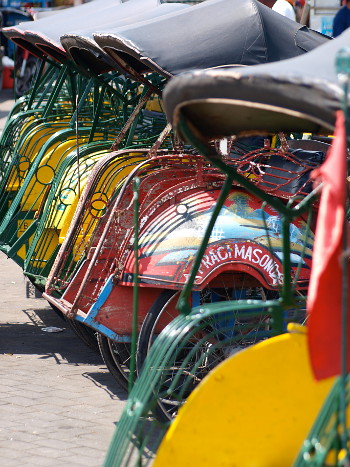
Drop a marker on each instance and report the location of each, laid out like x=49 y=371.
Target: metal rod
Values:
x=132 y=374
x=57 y=89
x=51 y=77
x=137 y=109
x=212 y=156
x=183 y=304
x=36 y=85
x=81 y=102
x=287 y=279
x=97 y=112
x=159 y=141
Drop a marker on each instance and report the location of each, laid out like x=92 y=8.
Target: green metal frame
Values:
x=66 y=178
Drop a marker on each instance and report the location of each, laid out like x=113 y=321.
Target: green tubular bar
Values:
x=173 y=341
x=51 y=96
x=20 y=115
x=56 y=91
x=323 y=446
x=15 y=132
x=149 y=124
x=288 y=213
x=103 y=107
x=24 y=152
x=36 y=83
x=20 y=158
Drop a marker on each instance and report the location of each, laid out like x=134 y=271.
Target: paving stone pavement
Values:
x=58 y=402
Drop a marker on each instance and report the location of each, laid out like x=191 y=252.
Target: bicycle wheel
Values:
x=217 y=338
x=24 y=77
x=85 y=334
x=116 y=357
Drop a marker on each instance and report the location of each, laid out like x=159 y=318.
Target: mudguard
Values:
x=245 y=238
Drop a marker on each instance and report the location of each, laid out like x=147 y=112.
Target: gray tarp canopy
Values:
x=43 y=36
x=53 y=26
x=213 y=33
x=300 y=94
x=210 y=34
x=84 y=51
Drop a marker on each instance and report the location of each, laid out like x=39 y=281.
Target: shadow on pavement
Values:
x=108 y=384
x=63 y=347
x=29 y=338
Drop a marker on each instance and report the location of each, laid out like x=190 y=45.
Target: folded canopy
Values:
x=210 y=34
x=42 y=37
x=84 y=51
x=299 y=94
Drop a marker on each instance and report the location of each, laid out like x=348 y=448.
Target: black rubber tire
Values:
x=148 y=324
x=116 y=357
x=143 y=345
x=85 y=334
x=23 y=83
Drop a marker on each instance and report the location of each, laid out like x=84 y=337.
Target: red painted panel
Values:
x=116 y=313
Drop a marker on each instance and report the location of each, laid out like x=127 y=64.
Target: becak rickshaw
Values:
x=93 y=276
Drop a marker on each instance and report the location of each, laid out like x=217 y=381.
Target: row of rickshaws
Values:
x=174 y=230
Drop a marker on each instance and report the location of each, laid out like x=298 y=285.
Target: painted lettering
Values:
x=223 y=253
x=256 y=257
x=239 y=252
x=264 y=260
x=268 y=266
x=206 y=262
x=248 y=254
x=213 y=256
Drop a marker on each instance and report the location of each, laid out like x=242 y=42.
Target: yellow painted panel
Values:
x=38 y=135
x=154 y=104
x=22 y=226
x=255 y=409
x=36 y=188
x=46 y=249
x=22 y=251
x=91 y=219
